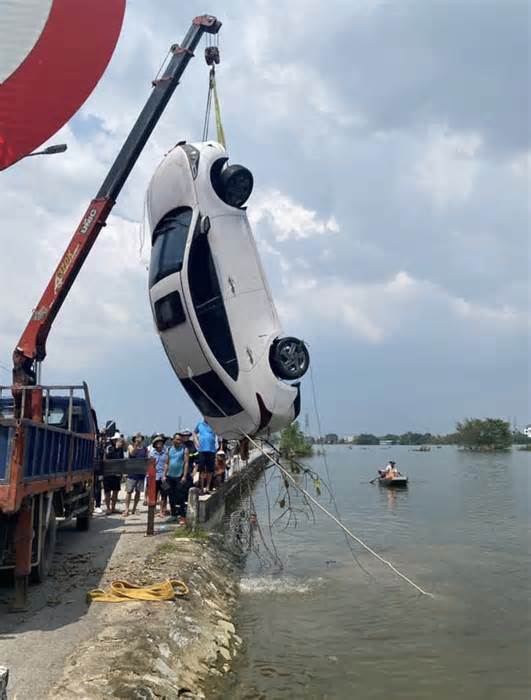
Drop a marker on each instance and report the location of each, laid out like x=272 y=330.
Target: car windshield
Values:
x=169 y=242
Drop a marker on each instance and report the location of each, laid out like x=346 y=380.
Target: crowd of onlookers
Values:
x=197 y=458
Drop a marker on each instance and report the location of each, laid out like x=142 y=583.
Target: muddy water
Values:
x=325 y=628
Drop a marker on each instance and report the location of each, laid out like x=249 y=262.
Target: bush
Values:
x=484 y=435
x=293 y=443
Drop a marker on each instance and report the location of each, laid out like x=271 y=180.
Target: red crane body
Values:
x=31 y=347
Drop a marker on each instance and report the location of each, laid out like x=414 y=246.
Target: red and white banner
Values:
x=52 y=54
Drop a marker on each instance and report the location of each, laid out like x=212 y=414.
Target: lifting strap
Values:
x=212 y=57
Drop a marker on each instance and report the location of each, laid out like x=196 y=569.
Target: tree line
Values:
x=471 y=433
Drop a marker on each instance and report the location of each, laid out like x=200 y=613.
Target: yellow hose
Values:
x=123 y=591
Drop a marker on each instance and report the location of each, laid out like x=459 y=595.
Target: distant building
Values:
x=527 y=431
x=331 y=439
x=387 y=442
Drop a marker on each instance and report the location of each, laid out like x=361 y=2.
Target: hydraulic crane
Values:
x=31 y=348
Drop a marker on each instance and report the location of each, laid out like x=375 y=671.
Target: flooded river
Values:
x=328 y=626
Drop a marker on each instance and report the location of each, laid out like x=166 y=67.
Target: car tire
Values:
x=289 y=358
x=235 y=185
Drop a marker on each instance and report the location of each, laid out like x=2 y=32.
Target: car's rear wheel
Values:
x=234 y=185
x=289 y=358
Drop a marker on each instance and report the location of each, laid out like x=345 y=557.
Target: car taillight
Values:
x=193 y=157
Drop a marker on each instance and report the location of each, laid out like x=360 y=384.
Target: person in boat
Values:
x=391 y=471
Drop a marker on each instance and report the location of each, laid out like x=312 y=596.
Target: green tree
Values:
x=391 y=437
x=484 y=435
x=367 y=439
x=520 y=438
x=293 y=443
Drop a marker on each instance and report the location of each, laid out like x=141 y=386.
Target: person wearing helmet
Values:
x=220 y=470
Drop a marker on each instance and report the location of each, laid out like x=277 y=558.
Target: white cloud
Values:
x=448 y=166
x=377 y=311
x=287 y=218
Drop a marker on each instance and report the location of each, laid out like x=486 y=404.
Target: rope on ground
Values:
x=123 y=592
x=338 y=522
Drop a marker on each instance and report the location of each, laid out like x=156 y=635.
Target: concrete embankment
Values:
x=162 y=649
x=62 y=647
x=168 y=649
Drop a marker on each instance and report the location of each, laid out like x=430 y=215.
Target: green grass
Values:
x=185 y=532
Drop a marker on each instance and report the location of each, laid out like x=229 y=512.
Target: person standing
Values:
x=135 y=482
x=193 y=456
x=112 y=482
x=98 y=471
x=220 y=468
x=176 y=475
x=160 y=453
x=205 y=441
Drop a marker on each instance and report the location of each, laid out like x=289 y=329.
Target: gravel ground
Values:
x=64 y=648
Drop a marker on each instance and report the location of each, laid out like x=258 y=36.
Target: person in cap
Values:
x=160 y=453
x=135 y=482
x=112 y=482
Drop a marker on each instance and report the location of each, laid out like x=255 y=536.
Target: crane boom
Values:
x=31 y=347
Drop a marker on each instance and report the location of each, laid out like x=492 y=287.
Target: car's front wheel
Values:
x=289 y=358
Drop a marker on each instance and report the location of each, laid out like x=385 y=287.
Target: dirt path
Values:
x=36 y=644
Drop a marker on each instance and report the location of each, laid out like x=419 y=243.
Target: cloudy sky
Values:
x=390 y=147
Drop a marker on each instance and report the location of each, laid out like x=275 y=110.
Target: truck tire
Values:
x=83 y=522
x=40 y=571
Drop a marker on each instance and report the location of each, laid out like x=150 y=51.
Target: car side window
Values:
x=169 y=242
x=209 y=306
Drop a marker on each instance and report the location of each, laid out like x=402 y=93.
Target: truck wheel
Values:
x=40 y=571
x=83 y=522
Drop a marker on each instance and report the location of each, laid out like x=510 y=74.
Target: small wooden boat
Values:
x=395 y=482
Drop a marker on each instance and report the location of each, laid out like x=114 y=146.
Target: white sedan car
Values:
x=211 y=302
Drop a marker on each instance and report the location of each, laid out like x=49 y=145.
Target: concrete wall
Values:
x=209 y=510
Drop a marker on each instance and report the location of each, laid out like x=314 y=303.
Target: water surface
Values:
x=325 y=628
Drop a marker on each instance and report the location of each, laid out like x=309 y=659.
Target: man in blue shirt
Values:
x=206 y=443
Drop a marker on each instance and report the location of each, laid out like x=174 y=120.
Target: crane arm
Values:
x=32 y=344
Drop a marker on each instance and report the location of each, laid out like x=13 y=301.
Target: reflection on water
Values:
x=328 y=628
